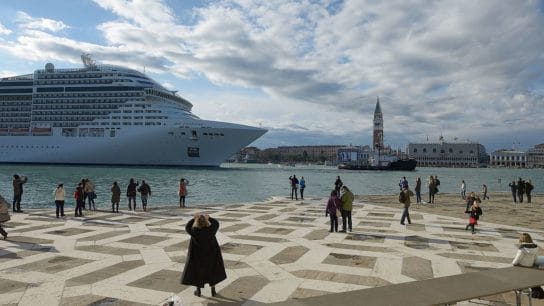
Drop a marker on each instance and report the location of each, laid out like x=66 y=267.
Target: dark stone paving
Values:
x=104 y=273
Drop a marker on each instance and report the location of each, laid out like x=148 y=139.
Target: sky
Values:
x=310 y=71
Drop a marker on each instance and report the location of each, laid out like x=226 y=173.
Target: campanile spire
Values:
x=377 y=142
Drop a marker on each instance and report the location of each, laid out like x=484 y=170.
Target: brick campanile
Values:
x=377 y=142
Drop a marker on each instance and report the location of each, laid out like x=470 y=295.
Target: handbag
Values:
x=338 y=213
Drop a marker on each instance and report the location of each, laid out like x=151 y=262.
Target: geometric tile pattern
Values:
x=273 y=251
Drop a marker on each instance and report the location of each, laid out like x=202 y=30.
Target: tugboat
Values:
x=408 y=164
x=357 y=158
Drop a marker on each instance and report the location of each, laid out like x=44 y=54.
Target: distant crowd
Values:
x=85 y=194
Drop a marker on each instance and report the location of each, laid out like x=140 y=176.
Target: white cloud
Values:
x=471 y=68
x=7 y=73
x=28 y=22
x=4 y=30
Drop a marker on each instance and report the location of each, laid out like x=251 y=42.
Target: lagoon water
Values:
x=234 y=183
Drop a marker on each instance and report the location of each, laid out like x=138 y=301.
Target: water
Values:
x=233 y=183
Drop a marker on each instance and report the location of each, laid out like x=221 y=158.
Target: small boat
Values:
x=398 y=165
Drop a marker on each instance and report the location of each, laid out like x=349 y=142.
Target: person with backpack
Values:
x=302 y=183
x=404 y=198
x=347 y=206
x=526 y=256
x=145 y=192
x=432 y=187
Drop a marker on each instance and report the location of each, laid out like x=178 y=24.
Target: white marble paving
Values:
x=281 y=280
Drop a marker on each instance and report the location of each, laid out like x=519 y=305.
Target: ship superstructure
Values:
x=110 y=115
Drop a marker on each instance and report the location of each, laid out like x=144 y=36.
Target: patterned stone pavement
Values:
x=273 y=251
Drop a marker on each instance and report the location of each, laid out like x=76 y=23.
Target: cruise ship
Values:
x=108 y=115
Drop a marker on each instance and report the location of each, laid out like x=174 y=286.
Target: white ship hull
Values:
x=149 y=146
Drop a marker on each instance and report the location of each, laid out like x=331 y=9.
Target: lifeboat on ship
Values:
x=18 y=131
x=41 y=131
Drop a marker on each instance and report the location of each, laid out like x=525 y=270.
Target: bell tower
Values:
x=377 y=142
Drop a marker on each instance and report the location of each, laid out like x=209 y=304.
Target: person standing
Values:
x=294 y=187
x=115 y=197
x=204 y=264
x=4 y=216
x=302 y=183
x=475 y=213
x=131 y=193
x=60 y=194
x=513 y=188
x=484 y=192
x=79 y=195
x=405 y=197
x=183 y=183
x=89 y=193
x=432 y=188
x=145 y=192
x=347 y=206
x=521 y=189
x=83 y=183
x=528 y=188
x=463 y=190
x=418 y=190
x=338 y=184
x=470 y=200
x=334 y=206
x=18 y=182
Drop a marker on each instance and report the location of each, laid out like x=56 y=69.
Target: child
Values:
x=475 y=213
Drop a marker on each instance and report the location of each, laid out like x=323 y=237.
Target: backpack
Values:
x=437 y=182
x=537 y=293
x=402 y=197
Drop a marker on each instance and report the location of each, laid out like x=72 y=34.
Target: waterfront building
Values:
x=535 y=156
x=508 y=158
x=448 y=154
x=321 y=153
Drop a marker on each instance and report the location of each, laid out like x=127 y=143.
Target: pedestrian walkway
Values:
x=274 y=251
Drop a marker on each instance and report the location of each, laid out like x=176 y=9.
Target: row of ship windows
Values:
x=89 y=118
x=62 y=82
x=16 y=98
x=194 y=133
x=213 y=134
x=68 y=106
x=29 y=147
x=84 y=101
x=71 y=75
x=14 y=111
x=89 y=94
x=442 y=151
x=22 y=103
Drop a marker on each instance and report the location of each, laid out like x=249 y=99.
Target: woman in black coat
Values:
x=204 y=262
